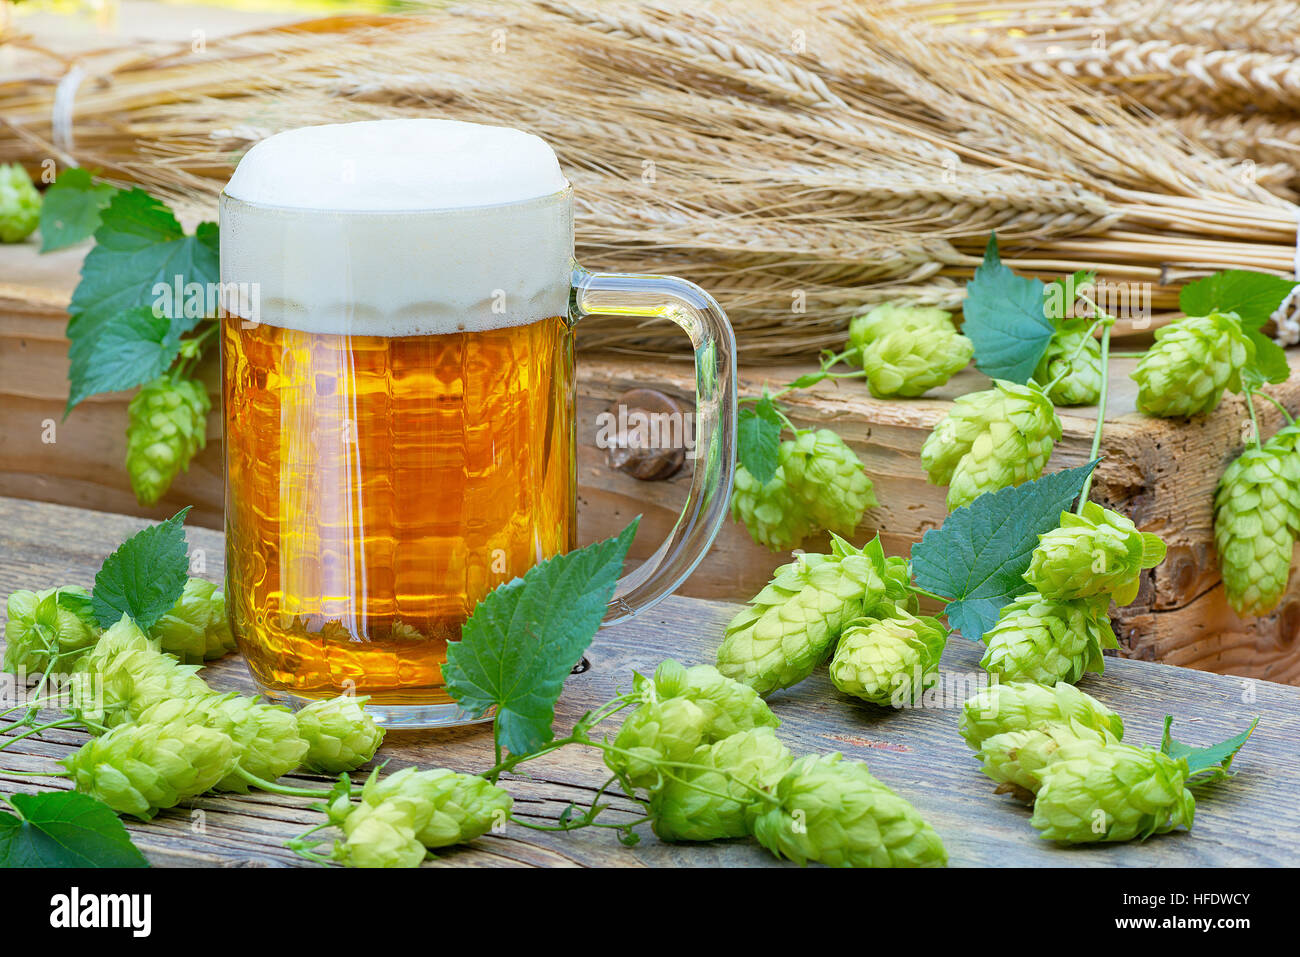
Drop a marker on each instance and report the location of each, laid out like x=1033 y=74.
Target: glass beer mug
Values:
x=398 y=400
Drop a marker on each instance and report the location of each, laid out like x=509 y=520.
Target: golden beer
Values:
x=378 y=487
x=398 y=399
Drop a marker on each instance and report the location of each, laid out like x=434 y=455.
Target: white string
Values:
x=65 y=95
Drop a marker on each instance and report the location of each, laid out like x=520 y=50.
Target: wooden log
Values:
x=1160 y=472
x=1251 y=821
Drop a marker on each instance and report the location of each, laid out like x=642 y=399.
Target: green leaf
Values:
x=1253 y=296
x=64 y=829
x=525 y=637
x=138 y=244
x=979 y=555
x=1215 y=761
x=1004 y=316
x=1269 y=366
x=129 y=348
x=144 y=578
x=1060 y=295
x=758 y=438
x=71 y=208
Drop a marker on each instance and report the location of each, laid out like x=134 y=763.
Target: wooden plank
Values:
x=1160 y=472
x=1250 y=821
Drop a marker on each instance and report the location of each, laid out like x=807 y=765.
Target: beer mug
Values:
x=398 y=399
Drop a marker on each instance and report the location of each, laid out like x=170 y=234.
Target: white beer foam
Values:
x=399 y=227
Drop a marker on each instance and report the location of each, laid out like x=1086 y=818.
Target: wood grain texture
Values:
x=1162 y=473
x=1252 y=820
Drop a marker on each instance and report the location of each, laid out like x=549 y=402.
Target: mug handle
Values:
x=663 y=297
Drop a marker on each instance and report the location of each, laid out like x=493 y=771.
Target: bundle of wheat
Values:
x=800 y=161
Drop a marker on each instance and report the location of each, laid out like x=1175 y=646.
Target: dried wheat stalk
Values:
x=869 y=166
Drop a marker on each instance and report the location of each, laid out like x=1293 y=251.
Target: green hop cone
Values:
x=1112 y=793
x=1192 y=361
x=737 y=707
x=1016 y=759
x=49 y=628
x=340 y=734
x=1048 y=640
x=196 y=628
x=990 y=440
x=266 y=738
x=691 y=807
x=665 y=730
x=906 y=362
x=1073 y=362
x=891 y=317
x=792 y=624
x=1021 y=705
x=20 y=204
x=123 y=675
x=1097 y=553
x=888 y=661
x=827 y=480
x=1255 y=516
x=141 y=768
x=442 y=807
x=166 y=424
x=382 y=836
x=774 y=517
x=833 y=811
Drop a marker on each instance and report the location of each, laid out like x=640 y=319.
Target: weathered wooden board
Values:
x=1252 y=820
x=1162 y=473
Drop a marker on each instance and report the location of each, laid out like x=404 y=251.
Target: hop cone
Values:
x=123 y=675
x=1112 y=793
x=340 y=735
x=196 y=628
x=1021 y=705
x=1075 y=356
x=1097 y=553
x=1048 y=640
x=833 y=811
x=666 y=730
x=56 y=622
x=1256 y=516
x=20 y=204
x=826 y=478
x=382 y=836
x=888 y=661
x=1192 y=361
x=141 y=768
x=889 y=317
x=166 y=425
x=442 y=807
x=774 y=517
x=990 y=440
x=266 y=737
x=786 y=633
x=1015 y=759
x=737 y=707
x=682 y=812
x=910 y=362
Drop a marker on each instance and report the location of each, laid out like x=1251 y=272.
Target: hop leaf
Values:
x=340 y=734
x=888 y=661
x=1113 y=793
x=1048 y=640
x=1096 y=553
x=833 y=811
x=167 y=423
x=48 y=627
x=196 y=628
x=1256 y=515
x=1191 y=363
x=141 y=768
x=20 y=204
x=910 y=362
x=827 y=480
x=990 y=440
x=689 y=806
x=1021 y=705
x=1073 y=362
